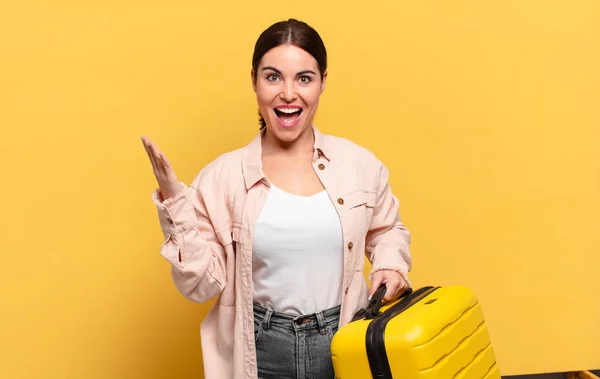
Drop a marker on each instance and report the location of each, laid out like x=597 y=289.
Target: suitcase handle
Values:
x=376 y=302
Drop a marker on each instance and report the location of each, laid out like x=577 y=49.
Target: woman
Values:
x=277 y=230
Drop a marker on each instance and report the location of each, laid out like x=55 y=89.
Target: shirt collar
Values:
x=252 y=162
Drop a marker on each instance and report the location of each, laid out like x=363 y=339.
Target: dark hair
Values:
x=292 y=32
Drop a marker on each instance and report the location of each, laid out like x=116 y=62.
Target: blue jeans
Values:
x=294 y=347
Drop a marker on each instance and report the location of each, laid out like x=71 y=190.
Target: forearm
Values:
x=190 y=245
x=390 y=250
x=388 y=239
x=197 y=271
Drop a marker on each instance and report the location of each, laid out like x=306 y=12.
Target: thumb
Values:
x=374 y=285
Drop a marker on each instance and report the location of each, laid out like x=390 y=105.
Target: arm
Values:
x=388 y=240
x=190 y=244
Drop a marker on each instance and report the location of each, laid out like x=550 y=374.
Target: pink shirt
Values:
x=208 y=230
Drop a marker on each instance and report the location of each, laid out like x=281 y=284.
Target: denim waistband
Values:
x=315 y=320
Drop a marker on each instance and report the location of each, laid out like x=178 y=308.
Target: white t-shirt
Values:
x=297 y=253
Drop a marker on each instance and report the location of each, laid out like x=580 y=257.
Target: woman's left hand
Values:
x=394 y=282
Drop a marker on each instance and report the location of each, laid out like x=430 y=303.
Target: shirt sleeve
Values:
x=191 y=245
x=388 y=239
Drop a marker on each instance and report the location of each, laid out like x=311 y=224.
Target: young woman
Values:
x=276 y=230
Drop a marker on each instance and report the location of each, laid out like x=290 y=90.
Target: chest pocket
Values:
x=229 y=238
x=361 y=205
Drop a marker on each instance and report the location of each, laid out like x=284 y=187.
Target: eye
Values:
x=305 y=79
x=272 y=77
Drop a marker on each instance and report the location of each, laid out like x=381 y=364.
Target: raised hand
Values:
x=163 y=171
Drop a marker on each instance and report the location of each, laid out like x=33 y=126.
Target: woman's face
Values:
x=288 y=86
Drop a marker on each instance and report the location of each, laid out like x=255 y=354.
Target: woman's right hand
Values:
x=163 y=171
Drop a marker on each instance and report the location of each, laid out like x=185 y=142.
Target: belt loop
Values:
x=321 y=322
x=267 y=319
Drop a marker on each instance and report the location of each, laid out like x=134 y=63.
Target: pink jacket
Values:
x=208 y=240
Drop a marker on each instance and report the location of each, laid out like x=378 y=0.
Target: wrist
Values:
x=170 y=192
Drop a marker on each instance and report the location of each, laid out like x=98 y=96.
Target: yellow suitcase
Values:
x=430 y=333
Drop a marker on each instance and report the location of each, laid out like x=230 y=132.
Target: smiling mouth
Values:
x=288 y=115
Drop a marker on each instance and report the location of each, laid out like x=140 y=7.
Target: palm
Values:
x=163 y=171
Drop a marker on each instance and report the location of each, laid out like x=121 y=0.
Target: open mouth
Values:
x=288 y=116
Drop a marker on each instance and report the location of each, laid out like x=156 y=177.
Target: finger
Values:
x=404 y=286
x=401 y=288
x=374 y=285
x=169 y=173
x=146 y=142
x=392 y=288
x=165 y=162
x=154 y=155
x=154 y=150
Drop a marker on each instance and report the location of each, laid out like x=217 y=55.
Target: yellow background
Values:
x=485 y=112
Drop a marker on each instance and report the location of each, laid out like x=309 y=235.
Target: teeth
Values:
x=288 y=110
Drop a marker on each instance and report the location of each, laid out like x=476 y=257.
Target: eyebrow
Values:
x=299 y=73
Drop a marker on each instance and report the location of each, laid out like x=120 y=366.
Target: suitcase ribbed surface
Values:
x=441 y=336
x=445 y=336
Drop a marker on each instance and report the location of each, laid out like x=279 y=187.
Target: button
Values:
x=346 y=292
x=321 y=166
x=341 y=201
x=350 y=244
x=170 y=221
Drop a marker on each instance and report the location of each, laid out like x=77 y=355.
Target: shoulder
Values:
x=352 y=153
x=224 y=169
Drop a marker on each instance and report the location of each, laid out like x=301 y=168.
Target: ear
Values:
x=253 y=81
x=323 y=81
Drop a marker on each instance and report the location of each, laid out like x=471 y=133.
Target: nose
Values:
x=288 y=93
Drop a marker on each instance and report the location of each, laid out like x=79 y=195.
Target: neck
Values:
x=304 y=143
